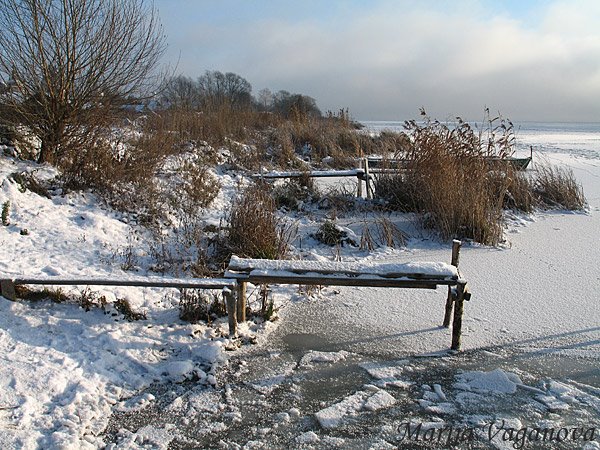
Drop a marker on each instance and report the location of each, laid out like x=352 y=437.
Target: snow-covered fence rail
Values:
x=361 y=174
x=422 y=275
x=227 y=285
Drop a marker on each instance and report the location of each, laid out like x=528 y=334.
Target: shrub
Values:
x=195 y=305
x=556 y=187
x=254 y=229
x=28 y=182
x=448 y=180
x=6 y=213
x=295 y=191
x=331 y=234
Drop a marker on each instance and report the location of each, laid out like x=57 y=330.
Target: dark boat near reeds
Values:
x=517 y=163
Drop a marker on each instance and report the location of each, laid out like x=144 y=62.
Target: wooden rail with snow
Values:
x=362 y=174
x=424 y=275
x=7 y=287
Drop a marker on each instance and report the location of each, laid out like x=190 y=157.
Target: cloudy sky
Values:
x=383 y=59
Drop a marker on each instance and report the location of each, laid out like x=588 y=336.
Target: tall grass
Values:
x=459 y=192
x=255 y=231
x=556 y=187
x=449 y=182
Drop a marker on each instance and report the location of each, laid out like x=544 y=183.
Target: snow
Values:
x=322 y=357
x=283 y=267
x=333 y=416
x=387 y=375
x=379 y=400
x=536 y=292
x=309 y=437
x=494 y=382
x=64 y=371
x=145 y=437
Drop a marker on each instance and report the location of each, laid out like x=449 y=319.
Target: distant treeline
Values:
x=214 y=90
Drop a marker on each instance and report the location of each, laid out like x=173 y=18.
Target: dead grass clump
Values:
x=382 y=232
x=331 y=234
x=391 y=144
x=556 y=187
x=448 y=180
x=519 y=192
x=88 y=299
x=196 y=305
x=55 y=295
x=295 y=192
x=331 y=139
x=339 y=199
x=389 y=234
x=267 y=304
x=124 y=307
x=397 y=191
x=255 y=231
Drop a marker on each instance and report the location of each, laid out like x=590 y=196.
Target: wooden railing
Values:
x=242 y=271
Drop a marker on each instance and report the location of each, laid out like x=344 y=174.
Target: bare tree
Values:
x=296 y=106
x=265 y=99
x=182 y=92
x=220 y=89
x=71 y=64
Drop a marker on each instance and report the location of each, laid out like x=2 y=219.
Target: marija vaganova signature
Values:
x=451 y=435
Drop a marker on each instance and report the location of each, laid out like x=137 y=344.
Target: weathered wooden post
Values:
x=450 y=300
x=231 y=312
x=458 y=313
x=367 y=179
x=359 y=176
x=7 y=289
x=241 y=301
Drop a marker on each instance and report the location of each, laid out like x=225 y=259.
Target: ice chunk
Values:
x=322 y=357
x=497 y=382
x=379 y=400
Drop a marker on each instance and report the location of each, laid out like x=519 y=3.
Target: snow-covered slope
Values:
x=63 y=369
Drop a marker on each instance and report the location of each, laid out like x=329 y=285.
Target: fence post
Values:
x=450 y=300
x=359 y=175
x=7 y=289
x=241 y=301
x=367 y=179
x=231 y=313
x=458 y=313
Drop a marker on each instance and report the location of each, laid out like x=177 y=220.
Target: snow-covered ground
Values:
x=539 y=291
x=66 y=371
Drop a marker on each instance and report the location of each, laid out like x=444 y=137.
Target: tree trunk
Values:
x=51 y=142
x=46 y=152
